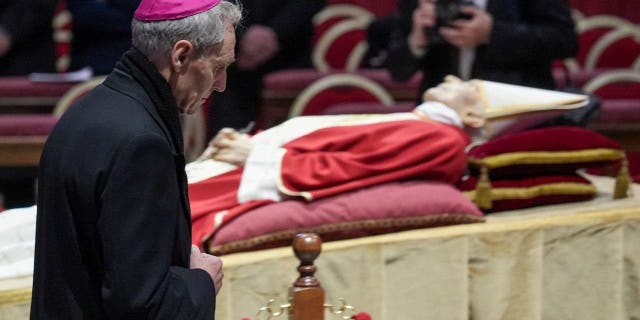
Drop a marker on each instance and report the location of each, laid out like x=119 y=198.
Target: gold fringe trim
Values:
x=547 y=157
x=370 y=225
x=558 y=188
x=623 y=181
x=483 y=190
x=15 y=296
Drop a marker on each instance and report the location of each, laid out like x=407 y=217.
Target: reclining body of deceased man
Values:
x=309 y=158
x=317 y=156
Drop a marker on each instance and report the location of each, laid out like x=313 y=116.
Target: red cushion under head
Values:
x=380 y=209
x=561 y=149
x=560 y=138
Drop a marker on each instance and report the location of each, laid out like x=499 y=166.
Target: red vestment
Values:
x=333 y=160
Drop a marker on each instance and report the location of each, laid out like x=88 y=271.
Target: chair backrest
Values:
x=605 y=41
x=379 y=8
x=194 y=127
x=76 y=92
x=340 y=37
x=338 y=88
x=616 y=84
x=626 y=9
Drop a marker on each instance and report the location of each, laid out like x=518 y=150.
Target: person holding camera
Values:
x=511 y=41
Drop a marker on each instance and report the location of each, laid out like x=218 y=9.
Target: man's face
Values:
x=453 y=92
x=205 y=75
x=462 y=97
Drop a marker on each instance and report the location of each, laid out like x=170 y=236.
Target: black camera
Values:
x=446 y=11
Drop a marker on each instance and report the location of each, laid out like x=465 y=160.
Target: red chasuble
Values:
x=333 y=160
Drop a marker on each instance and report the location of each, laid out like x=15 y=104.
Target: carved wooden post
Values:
x=306 y=295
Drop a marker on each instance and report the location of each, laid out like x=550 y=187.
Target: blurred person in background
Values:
x=511 y=41
x=113 y=227
x=26 y=37
x=274 y=35
x=101 y=32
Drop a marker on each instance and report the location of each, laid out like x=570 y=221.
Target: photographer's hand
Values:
x=469 y=33
x=424 y=16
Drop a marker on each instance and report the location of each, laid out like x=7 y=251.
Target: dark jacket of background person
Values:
x=526 y=37
x=113 y=232
x=291 y=20
x=101 y=32
x=29 y=24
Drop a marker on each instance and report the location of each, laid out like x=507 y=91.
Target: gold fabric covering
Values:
x=570 y=261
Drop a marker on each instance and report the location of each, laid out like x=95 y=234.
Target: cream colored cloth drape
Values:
x=572 y=261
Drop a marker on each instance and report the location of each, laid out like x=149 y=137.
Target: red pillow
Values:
x=510 y=194
x=379 y=209
x=560 y=149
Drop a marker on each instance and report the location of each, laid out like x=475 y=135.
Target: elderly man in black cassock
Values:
x=113 y=235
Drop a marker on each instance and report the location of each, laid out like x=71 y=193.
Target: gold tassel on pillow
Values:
x=483 y=190
x=623 y=181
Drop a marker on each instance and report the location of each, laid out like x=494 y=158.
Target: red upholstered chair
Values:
x=338 y=88
x=339 y=46
x=340 y=37
x=193 y=126
x=76 y=92
x=379 y=8
x=606 y=41
x=22 y=137
x=629 y=10
x=368 y=107
x=283 y=87
x=620 y=94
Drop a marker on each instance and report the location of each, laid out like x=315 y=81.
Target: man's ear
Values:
x=182 y=53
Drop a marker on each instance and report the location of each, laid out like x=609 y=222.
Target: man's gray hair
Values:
x=204 y=30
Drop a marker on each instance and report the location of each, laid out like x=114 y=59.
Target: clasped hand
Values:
x=462 y=33
x=229 y=146
x=209 y=263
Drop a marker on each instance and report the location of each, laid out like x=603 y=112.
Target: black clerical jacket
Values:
x=113 y=229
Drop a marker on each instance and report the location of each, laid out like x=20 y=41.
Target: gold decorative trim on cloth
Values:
x=15 y=296
x=567 y=261
x=560 y=188
x=547 y=157
x=370 y=225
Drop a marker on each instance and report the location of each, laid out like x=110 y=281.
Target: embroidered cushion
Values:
x=510 y=194
x=560 y=149
x=380 y=209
